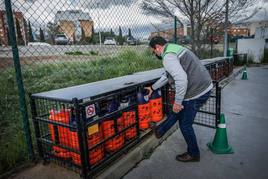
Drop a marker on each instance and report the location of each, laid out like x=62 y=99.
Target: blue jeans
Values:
x=186 y=120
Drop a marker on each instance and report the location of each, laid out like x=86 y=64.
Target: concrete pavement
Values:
x=244 y=103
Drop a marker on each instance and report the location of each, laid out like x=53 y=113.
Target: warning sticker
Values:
x=93 y=129
x=90 y=111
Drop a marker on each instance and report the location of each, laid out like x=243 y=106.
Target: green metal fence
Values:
x=52 y=44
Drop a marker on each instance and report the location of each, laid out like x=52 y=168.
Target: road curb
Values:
x=226 y=81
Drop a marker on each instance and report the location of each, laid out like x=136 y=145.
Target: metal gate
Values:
x=208 y=115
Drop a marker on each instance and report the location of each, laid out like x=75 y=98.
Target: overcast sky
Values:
x=262 y=13
x=106 y=14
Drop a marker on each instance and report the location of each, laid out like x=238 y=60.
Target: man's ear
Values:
x=157 y=46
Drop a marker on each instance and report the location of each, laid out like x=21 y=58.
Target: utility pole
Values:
x=175 y=29
x=225 y=28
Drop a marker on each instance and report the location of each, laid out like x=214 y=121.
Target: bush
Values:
x=206 y=53
x=94 y=53
x=265 y=56
x=74 y=53
x=240 y=59
x=82 y=53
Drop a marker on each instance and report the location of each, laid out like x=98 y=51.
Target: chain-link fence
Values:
x=61 y=43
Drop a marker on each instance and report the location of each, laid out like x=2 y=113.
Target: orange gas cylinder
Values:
x=62 y=116
x=129 y=119
x=52 y=129
x=73 y=143
x=94 y=139
x=108 y=129
x=115 y=143
x=120 y=123
x=156 y=110
x=143 y=109
x=144 y=115
x=60 y=152
x=73 y=140
x=144 y=120
x=76 y=158
x=62 y=138
x=156 y=106
x=96 y=154
x=131 y=133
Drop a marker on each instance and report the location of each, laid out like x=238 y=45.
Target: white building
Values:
x=261 y=33
x=255 y=25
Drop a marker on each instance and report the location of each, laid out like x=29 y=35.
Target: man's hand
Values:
x=150 y=90
x=177 y=107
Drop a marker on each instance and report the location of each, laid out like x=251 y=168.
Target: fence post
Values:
x=175 y=29
x=218 y=103
x=82 y=138
x=16 y=59
x=211 y=42
x=36 y=126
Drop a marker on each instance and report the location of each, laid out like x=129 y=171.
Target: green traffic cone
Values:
x=244 y=74
x=220 y=143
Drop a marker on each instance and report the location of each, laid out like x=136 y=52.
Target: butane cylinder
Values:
x=156 y=106
x=143 y=109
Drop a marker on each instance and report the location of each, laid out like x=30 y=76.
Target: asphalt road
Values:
x=28 y=51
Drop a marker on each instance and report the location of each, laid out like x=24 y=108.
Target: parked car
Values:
x=144 y=40
x=61 y=39
x=109 y=41
x=132 y=41
x=186 y=40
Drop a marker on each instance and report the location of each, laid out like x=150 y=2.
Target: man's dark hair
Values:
x=158 y=40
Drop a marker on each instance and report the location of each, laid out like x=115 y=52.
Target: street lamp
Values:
x=225 y=28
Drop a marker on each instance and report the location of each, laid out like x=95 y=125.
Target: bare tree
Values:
x=53 y=30
x=20 y=40
x=199 y=13
x=41 y=35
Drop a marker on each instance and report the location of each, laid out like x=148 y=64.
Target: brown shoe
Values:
x=182 y=155
x=185 y=157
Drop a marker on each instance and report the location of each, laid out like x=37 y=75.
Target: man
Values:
x=192 y=84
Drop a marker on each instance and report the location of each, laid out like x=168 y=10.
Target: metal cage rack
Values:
x=87 y=127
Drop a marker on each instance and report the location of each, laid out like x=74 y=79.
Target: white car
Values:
x=109 y=41
x=132 y=41
x=61 y=39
